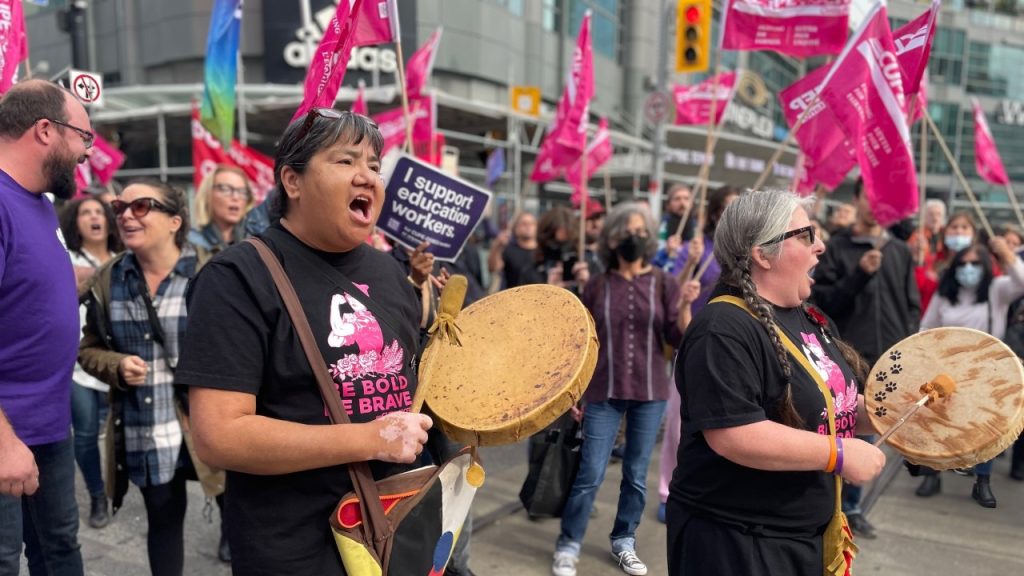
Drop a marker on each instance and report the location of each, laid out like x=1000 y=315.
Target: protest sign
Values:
x=423 y=204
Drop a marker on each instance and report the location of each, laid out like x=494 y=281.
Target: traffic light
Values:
x=693 y=35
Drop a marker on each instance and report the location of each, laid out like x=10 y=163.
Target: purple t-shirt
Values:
x=38 y=317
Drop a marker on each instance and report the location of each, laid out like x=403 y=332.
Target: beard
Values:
x=60 y=175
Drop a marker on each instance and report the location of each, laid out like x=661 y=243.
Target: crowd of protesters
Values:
x=184 y=375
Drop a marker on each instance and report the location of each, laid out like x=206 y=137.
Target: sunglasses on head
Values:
x=809 y=230
x=312 y=115
x=140 y=207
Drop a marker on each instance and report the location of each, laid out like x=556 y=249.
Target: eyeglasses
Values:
x=227 y=191
x=312 y=115
x=88 y=138
x=809 y=230
x=140 y=207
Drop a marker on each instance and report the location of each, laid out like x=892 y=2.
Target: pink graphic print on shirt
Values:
x=844 y=394
x=370 y=381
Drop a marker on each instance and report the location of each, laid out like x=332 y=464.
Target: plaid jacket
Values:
x=151 y=431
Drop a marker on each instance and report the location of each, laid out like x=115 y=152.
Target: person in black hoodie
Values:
x=865 y=282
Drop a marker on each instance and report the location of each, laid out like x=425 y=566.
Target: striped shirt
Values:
x=153 y=436
x=635 y=319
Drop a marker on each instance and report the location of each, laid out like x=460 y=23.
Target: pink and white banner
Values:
x=864 y=91
x=564 y=142
x=207 y=153
x=421 y=64
x=376 y=23
x=819 y=134
x=327 y=69
x=104 y=161
x=599 y=152
x=913 y=46
x=693 y=103
x=13 y=42
x=795 y=27
x=987 y=161
x=392 y=123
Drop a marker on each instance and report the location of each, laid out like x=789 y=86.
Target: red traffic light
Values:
x=693 y=14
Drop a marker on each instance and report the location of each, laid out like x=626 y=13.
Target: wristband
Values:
x=832 y=454
x=839 y=456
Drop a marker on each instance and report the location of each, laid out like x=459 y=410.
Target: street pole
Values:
x=657 y=162
x=76 y=27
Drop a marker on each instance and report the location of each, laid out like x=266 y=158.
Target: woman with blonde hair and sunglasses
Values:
x=222 y=201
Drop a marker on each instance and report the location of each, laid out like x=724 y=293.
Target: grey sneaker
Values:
x=565 y=564
x=630 y=564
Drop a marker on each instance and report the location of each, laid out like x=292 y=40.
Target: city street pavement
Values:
x=946 y=535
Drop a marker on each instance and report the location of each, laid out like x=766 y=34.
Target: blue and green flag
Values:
x=221 y=70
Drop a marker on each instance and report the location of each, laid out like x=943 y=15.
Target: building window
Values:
x=947 y=60
x=514 y=6
x=995 y=69
x=549 y=19
x=945 y=117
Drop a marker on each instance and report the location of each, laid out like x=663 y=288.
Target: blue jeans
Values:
x=851 y=493
x=47 y=521
x=600 y=425
x=88 y=413
x=983 y=469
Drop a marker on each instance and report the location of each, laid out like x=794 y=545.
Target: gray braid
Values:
x=763 y=312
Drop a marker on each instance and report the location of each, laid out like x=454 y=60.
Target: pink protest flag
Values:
x=913 y=46
x=13 y=42
x=327 y=69
x=918 y=106
x=420 y=65
x=359 y=105
x=986 y=156
x=693 y=103
x=376 y=23
x=599 y=152
x=391 y=123
x=818 y=135
x=83 y=179
x=564 y=142
x=580 y=90
x=795 y=27
x=105 y=160
x=207 y=153
x=864 y=91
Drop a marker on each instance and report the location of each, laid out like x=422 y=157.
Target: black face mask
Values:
x=631 y=248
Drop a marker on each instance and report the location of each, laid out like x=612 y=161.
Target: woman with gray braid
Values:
x=761 y=447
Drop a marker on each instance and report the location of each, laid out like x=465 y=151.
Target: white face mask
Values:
x=969 y=275
x=957 y=242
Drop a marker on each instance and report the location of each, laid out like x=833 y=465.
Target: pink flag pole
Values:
x=956 y=170
x=584 y=197
x=405 y=95
x=922 y=180
x=709 y=145
x=607 y=189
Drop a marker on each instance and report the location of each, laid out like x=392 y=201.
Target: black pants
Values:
x=165 y=514
x=702 y=547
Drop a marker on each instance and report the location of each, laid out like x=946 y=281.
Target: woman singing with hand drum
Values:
x=755 y=488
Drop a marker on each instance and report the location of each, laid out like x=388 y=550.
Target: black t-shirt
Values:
x=241 y=339
x=516 y=259
x=728 y=375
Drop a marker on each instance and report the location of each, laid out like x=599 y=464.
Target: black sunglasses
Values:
x=140 y=207
x=809 y=230
x=88 y=138
x=312 y=115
